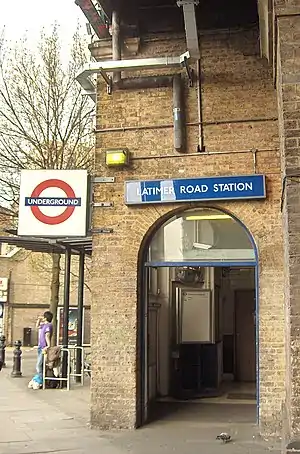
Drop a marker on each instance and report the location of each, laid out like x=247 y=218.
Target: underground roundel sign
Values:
x=53 y=203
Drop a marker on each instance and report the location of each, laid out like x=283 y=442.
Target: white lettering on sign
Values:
x=186 y=189
x=229 y=187
x=49 y=201
x=165 y=190
x=193 y=189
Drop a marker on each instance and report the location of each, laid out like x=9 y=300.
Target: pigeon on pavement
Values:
x=224 y=437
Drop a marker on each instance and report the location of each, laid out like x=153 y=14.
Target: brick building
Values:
x=27 y=282
x=237 y=255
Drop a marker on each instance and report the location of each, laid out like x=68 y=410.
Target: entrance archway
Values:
x=198 y=311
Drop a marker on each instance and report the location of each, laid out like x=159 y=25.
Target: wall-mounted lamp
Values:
x=117 y=157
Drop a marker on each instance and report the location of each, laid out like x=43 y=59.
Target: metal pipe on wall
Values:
x=193 y=123
x=116 y=42
x=140 y=83
x=178 y=114
x=149 y=82
x=201 y=146
x=206 y=153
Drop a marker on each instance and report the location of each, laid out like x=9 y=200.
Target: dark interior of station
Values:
x=202 y=353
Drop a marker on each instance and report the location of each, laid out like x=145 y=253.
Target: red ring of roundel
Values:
x=53 y=220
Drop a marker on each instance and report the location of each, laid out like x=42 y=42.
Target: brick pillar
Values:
x=288 y=87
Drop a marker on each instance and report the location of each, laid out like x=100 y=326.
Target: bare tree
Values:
x=45 y=122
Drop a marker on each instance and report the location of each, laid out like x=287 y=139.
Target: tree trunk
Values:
x=54 y=295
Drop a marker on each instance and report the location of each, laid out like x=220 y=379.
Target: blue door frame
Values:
x=232 y=264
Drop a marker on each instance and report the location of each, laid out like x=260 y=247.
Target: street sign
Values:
x=235 y=187
x=53 y=203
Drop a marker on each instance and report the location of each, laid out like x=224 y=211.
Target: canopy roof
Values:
x=50 y=245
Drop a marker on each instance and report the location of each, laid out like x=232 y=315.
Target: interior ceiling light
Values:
x=207 y=217
x=202 y=246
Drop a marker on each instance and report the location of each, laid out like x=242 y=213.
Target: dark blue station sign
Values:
x=195 y=189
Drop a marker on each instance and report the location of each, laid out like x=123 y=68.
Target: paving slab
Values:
x=57 y=421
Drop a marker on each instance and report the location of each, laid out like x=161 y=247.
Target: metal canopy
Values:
x=64 y=245
x=51 y=245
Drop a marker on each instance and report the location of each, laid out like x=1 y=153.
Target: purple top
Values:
x=43 y=330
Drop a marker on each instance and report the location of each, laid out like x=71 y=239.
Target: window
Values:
x=207 y=234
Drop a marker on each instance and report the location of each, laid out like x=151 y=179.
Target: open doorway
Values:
x=200 y=318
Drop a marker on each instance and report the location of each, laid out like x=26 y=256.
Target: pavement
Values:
x=57 y=421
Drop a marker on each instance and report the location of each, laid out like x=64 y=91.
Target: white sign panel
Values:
x=53 y=203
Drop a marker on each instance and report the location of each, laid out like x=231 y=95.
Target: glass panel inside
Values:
x=201 y=235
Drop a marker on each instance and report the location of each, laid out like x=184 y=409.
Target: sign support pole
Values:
x=65 y=340
x=79 y=358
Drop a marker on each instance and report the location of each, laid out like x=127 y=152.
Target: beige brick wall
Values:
x=237 y=85
x=288 y=83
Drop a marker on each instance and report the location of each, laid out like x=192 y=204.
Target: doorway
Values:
x=200 y=318
x=245 y=335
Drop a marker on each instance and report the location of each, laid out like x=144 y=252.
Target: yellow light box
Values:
x=118 y=157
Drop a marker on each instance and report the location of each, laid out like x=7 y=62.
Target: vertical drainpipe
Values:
x=178 y=114
x=201 y=145
x=116 y=42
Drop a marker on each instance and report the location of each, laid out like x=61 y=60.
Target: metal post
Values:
x=2 y=350
x=79 y=358
x=65 y=339
x=16 y=372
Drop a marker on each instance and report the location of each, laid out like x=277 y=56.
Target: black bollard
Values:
x=16 y=372
x=2 y=350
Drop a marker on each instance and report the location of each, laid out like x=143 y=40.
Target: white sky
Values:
x=28 y=17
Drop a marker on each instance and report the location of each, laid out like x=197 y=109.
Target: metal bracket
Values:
x=187 y=2
x=91 y=93
x=104 y=180
x=109 y=86
x=103 y=230
x=108 y=81
x=190 y=71
x=103 y=204
x=104 y=68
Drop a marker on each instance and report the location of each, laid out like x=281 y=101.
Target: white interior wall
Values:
x=243 y=279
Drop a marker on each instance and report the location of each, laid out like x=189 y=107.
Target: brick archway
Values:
x=142 y=258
